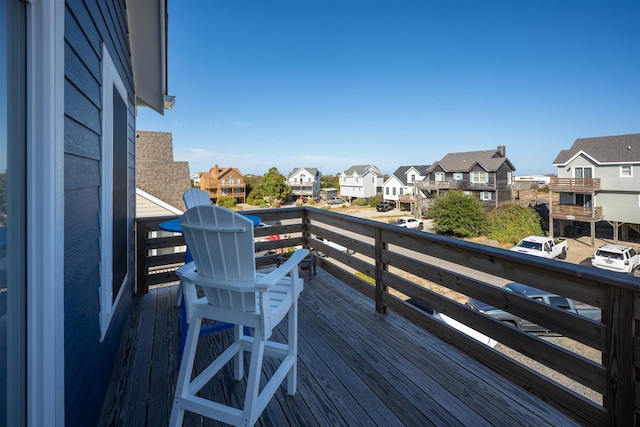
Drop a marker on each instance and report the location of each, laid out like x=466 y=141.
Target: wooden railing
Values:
x=576 y=212
x=574 y=184
x=444 y=272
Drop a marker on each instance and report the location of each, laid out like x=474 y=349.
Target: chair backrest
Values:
x=222 y=245
x=196 y=197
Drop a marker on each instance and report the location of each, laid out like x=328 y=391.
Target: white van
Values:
x=616 y=258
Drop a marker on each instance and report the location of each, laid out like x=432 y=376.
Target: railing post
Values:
x=140 y=285
x=619 y=356
x=380 y=287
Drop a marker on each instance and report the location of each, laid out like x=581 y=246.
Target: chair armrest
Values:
x=275 y=276
x=187 y=268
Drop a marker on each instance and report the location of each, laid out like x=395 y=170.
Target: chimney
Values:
x=502 y=150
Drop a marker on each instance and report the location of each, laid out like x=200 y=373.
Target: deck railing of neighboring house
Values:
x=574 y=184
x=442 y=272
x=576 y=212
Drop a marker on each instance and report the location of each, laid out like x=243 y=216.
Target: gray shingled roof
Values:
x=156 y=172
x=489 y=160
x=401 y=172
x=605 y=149
x=312 y=171
x=361 y=170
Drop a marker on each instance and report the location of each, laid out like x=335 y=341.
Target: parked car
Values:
x=453 y=323
x=409 y=222
x=384 y=206
x=616 y=258
x=544 y=247
x=558 y=301
x=335 y=200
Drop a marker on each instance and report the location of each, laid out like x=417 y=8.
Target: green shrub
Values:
x=227 y=202
x=375 y=200
x=511 y=221
x=359 y=202
x=456 y=213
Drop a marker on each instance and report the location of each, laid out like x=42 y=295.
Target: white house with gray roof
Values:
x=400 y=187
x=598 y=179
x=304 y=182
x=363 y=181
x=485 y=174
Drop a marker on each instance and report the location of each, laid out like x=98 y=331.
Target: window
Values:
x=386 y=190
x=401 y=192
x=626 y=171
x=509 y=177
x=13 y=187
x=583 y=172
x=485 y=195
x=413 y=178
x=457 y=176
x=439 y=176
x=115 y=198
x=479 y=177
x=394 y=191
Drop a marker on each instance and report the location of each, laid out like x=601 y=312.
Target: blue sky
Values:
x=336 y=83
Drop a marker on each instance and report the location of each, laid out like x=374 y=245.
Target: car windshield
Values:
x=530 y=245
x=607 y=254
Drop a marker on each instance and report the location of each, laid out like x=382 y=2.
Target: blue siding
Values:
x=89 y=362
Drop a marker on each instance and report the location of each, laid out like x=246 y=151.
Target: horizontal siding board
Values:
x=81 y=141
x=77 y=74
x=81 y=172
x=80 y=108
x=86 y=48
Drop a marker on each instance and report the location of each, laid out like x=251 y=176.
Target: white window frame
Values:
x=622 y=169
x=45 y=215
x=583 y=168
x=485 y=196
x=479 y=177
x=110 y=79
x=439 y=177
x=458 y=176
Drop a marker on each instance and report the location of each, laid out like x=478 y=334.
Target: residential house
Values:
x=486 y=175
x=223 y=182
x=598 y=179
x=400 y=187
x=304 y=182
x=160 y=181
x=363 y=181
x=73 y=75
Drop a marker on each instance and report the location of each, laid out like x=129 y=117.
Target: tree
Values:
x=510 y=222
x=330 y=181
x=458 y=214
x=271 y=188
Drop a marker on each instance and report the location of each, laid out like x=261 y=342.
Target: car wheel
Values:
x=420 y=226
x=563 y=255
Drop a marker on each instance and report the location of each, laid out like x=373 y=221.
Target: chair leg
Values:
x=186 y=368
x=292 y=349
x=238 y=359
x=249 y=414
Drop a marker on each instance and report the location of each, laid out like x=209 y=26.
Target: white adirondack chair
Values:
x=222 y=246
x=192 y=197
x=195 y=197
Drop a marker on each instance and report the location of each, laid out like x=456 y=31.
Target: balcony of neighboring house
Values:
x=301 y=189
x=574 y=185
x=369 y=356
x=576 y=212
x=407 y=198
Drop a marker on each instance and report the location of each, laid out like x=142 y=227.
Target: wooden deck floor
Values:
x=356 y=367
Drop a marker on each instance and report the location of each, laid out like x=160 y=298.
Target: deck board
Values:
x=355 y=367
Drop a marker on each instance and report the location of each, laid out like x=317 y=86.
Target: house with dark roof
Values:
x=304 y=182
x=361 y=181
x=486 y=175
x=160 y=181
x=400 y=187
x=223 y=182
x=598 y=179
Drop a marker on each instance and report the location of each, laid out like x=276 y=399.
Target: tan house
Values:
x=160 y=181
x=223 y=182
